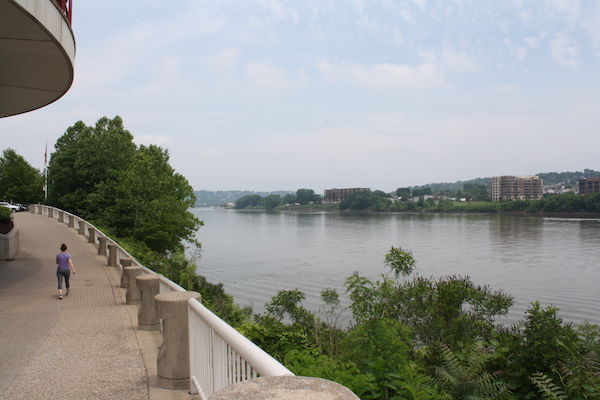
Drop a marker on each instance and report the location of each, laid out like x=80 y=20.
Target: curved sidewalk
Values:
x=82 y=347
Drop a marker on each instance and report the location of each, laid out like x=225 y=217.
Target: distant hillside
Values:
x=205 y=198
x=452 y=186
x=572 y=178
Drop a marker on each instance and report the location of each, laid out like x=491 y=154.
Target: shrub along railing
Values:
x=219 y=355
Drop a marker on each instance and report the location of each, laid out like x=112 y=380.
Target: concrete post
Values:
x=173 y=361
x=32 y=208
x=285 y=387
x=102 y=245
x=149 y=285
x=133 y=294
x=50 y=212
x=61 y=216
x=112 y=255
x=92 y=236
x=40 y=208
x=126 y=262
x=71 y=221
x=81 y=227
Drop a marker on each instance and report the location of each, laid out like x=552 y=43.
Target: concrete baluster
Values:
x=81 y=227
x=126 y=262
x=32 y=208
x=40 y=208
x=71 y=221
x=61 y=216
x=113 y=249
x=102 y=245
x=173 y=361
x=92 y=235
x=50 y=212
x=133 y=294
x=149 y=285
x=285 y=387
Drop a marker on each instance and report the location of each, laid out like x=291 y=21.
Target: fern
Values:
x=548 y=388
x=466 y=378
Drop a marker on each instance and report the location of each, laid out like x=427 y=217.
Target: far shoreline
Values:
x=330 y=209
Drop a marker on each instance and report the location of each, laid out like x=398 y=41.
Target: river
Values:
x=256 y=254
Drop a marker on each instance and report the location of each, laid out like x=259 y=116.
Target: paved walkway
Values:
x=82 y=347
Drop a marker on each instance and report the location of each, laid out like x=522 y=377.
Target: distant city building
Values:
x=589 y=185
x=506 y=187
x=337 y=195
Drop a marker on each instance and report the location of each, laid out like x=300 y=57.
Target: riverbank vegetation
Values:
x=430 y=338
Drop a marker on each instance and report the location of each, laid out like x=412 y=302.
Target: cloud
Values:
x=279 y=10
x=450 y=59
x=225 y=61
x=458 y=61
x=268 y=76
x=591 y=22
x=382 y=76
x=565 y=8
x=158 y=139
x=563 y=51
x=507 y=88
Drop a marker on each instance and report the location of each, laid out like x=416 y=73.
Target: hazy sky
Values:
x=279 y=95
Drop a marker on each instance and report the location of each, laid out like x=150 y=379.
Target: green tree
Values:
x=289 y=199
x=19 y=181
x=403 y=193
x=365 y=199
x=306 y=196
x=272 y=201
x=250 y=200
x=85 y=157
x=475 y=192
x=149 y=202
x=381 y=193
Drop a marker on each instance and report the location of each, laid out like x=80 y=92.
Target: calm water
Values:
x=553 y=260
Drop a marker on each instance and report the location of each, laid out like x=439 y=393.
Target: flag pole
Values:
x=46 y=172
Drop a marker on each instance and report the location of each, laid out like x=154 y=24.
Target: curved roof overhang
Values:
x=37 y=52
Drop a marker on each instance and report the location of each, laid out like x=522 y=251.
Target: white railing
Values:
x=219 y=355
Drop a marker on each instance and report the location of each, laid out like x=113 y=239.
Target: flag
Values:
x=46 y=154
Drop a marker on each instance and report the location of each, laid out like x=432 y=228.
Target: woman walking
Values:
x=65 y=266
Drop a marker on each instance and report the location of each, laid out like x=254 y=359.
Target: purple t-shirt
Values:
x=63 y=260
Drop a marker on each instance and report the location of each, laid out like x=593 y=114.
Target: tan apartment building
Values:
x=508 y=187
x=337 y=195
x=589 y=185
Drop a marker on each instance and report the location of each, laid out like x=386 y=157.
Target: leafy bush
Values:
x=5 y=215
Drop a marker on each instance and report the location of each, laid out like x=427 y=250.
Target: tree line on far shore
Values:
x=270 y=202
x=422 y=200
